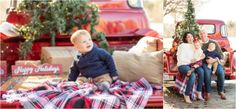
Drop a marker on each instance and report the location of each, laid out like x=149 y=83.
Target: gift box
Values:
x=59 y=55
x=29 y=82
x=3 y=68
x=2 y=62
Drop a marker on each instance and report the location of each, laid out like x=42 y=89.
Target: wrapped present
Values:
x=3 y=68
x=59 y=55
x=2 y=62
x=29 y=82
x=27 y=62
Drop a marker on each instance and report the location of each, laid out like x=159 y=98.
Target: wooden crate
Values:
x=29 y=82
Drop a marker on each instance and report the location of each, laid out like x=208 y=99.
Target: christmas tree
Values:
x=58 y=16
x=189 y=23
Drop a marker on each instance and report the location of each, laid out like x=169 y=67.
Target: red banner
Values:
x=3 y=70
x=36 y=70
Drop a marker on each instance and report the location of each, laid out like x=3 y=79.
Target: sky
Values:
x=217 y=9
x=212 y=9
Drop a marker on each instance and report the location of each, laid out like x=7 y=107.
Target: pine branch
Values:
x=49 y=17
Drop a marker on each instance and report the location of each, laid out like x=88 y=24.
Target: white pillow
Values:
x=131 y=66
x=145 y=45
x=8 y=29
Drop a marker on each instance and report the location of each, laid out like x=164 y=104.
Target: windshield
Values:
x=209 y=28
x=135 y=3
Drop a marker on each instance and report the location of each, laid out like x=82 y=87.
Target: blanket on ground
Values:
x=181 y=84
x=71 y=95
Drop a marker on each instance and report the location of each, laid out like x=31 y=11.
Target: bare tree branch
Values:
x=178 y=6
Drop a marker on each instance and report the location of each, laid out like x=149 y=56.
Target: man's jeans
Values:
x=200 y=73
x=220 y=77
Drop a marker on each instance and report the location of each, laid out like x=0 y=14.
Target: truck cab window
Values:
x=210 y=29
x=223 y=30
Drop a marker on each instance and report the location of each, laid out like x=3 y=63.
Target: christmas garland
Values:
x=60 y=16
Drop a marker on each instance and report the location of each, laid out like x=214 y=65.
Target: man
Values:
x=208 y=72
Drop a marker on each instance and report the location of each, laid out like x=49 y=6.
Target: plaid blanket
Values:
x=70 y=95
x=181 y=84
x=124 y=95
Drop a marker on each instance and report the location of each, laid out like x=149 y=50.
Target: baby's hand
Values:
x=193 y=60
x=210 y=60
x=213 y=72
x=222 y=62
x=80 y=82
x=190 y=72
x=196 y=66
x=114 y=78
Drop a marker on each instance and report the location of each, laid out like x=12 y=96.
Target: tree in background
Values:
x=154 y=9
x=176 y=9
x=189 y=22
x=174 y=6
x=231 y=26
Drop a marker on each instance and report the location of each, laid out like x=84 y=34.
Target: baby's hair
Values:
x=211 y=44
x=77 y=34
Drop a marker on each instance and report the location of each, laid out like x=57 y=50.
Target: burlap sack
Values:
x=59 y=55
x=132 y=66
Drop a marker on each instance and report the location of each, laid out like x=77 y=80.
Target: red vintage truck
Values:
x=123 y=21
x=217 y=31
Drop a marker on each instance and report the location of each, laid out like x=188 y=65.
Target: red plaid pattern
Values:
x=199 y=63
x=50 y=95
x=68 y=94
x=124 y=95
x=181 y=84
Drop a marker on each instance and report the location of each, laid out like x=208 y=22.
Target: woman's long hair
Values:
x=185 y=35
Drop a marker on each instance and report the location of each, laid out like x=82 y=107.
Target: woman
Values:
x=185 y=55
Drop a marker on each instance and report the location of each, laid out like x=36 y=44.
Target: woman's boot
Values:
x=222 y=95
x=208 y=96
x=187 y=99
x=199 y=96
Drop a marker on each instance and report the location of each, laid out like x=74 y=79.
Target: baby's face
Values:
x=211 y=47
x=84 y=44
x=197 y=45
